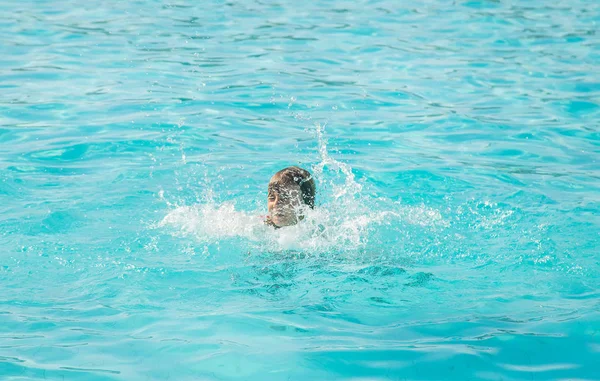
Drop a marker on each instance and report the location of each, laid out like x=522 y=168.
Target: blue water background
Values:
x=456 y=149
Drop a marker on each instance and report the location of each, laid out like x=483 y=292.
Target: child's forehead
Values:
x=279 y=186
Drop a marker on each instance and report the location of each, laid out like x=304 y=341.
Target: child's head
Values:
x=289 y=191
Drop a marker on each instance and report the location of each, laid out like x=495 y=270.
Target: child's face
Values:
x=283 y=203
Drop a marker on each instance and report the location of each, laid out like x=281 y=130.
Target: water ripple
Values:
x=456 y=150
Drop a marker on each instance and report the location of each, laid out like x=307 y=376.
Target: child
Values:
x=290 y=190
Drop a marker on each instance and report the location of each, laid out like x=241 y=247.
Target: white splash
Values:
x=321 y=229
x=211 y=222
x=345 y=220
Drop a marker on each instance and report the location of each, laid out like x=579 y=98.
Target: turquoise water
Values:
x=456 y=150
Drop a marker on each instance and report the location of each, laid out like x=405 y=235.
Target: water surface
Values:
x=455 y=148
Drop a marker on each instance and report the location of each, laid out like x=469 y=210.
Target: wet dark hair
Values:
x=299 y=176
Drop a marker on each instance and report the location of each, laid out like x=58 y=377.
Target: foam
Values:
x=346 y=220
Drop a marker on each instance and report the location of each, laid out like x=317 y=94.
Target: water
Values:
x=455 y=148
